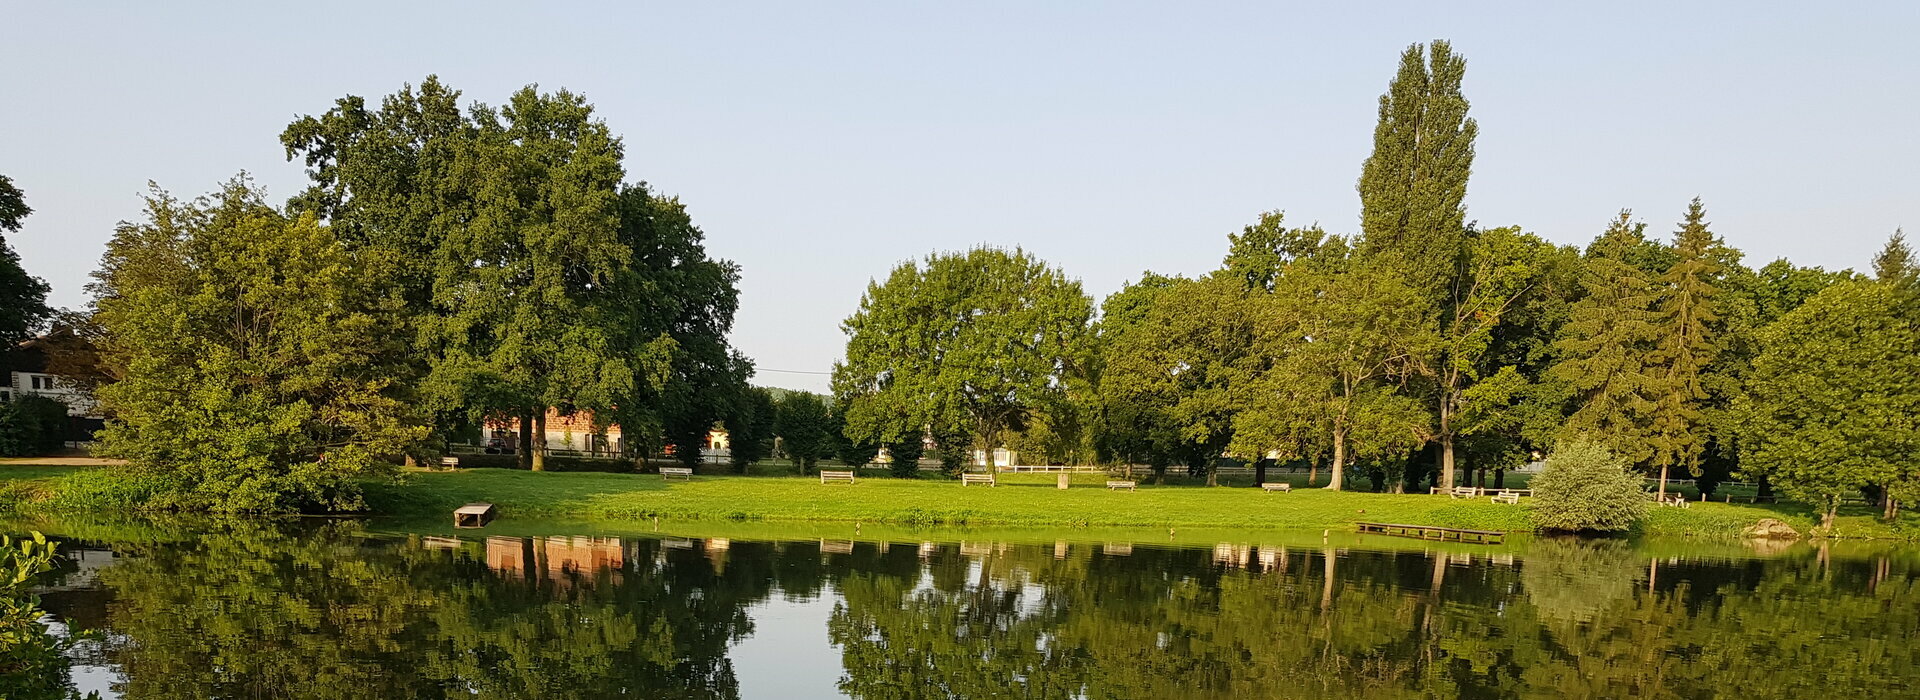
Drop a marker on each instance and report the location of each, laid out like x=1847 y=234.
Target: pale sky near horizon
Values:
x=820 y=144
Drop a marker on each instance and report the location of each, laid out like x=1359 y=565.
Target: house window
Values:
x=41 y=383
x=5 y=396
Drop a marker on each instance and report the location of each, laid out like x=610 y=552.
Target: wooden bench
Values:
x=827 y=477
x=449 y=462
x=1507 y=497
x=1282 y=487
x=969 y=479
x=1116 y=485
x=473 y=515
x=670 y=472
x=1464 y=492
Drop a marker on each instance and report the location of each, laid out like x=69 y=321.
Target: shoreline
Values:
x=1019 y=500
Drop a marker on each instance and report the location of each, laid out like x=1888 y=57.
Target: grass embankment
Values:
x=1023 y=500
x=1020 y=500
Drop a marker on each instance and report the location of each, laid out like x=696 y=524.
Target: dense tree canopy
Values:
x=963 y=346
x=258 y=371
x=535 y=277
x=23 y=297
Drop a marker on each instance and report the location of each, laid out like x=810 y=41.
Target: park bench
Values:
x=970 y=479
x=670 y=472
x=449 y=462
x=1116 y=485
x=1282 y=487
x=1464 y=492
x=473 y=515
x=827 y=477
x=1507 y=497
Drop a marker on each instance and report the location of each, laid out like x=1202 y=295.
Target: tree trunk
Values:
x=1338 y=471
x=540 y=439
x=1313 y=472
x=1499 y=478
x=525 y=453
x=1213 y=474
x=1446 y=450
x=1662 y=494
x=1259 y=472
x=1892 y=507
x=1764 y=490
x=1326 y=587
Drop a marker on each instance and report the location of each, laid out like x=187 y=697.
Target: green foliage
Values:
x=934 y=348
x=1413 y=186
x=805 y=426
x=32 y=425
x=1605 y=352
x=23 y=297
x=258 y=373
x=1586 y=488
x=1836 y=390
x=1687 y=344
x=33 y=663
x=533 y=277
x=1170 y=370
x=905 y=456
x=750 y=429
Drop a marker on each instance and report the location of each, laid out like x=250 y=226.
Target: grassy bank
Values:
x=1022 y=500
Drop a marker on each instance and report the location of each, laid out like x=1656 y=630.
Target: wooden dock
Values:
x=1429 y=532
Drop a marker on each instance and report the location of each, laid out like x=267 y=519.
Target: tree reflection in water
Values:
x=332 y=612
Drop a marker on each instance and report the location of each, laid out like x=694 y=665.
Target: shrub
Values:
x=1585 y=488
x=31 y=425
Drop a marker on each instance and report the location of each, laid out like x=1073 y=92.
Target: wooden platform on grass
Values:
x=1429 y=532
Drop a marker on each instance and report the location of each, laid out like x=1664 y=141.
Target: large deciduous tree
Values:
x=1170 y=371
x=1837 y=390
x=258 y=367
x=962 y=346
x=534 y=277
x=23 y=297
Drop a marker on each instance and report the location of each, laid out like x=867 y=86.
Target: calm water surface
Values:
x=352 y=610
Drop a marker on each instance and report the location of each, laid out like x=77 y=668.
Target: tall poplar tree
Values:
x=1413 y=187
x=1685 y=347
x=1606 y=347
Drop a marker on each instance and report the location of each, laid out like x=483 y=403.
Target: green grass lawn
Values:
x=1020 y=499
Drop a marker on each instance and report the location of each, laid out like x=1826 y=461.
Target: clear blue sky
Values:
x=818 y=145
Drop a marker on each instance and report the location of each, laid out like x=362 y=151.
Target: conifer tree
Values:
x=1606 y=346
x=1686 y=346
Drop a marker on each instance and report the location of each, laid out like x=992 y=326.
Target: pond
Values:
x=347 y=609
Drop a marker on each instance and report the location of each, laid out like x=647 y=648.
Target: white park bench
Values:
x=1507 y=497
x=1282 y=487
x=670 y=472
x=970 y=479
x=827 y=477
x=449 y=462
x=1117 y=485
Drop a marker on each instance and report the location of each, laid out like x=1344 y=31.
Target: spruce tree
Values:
x=1686 y=318
x=1606 y=346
